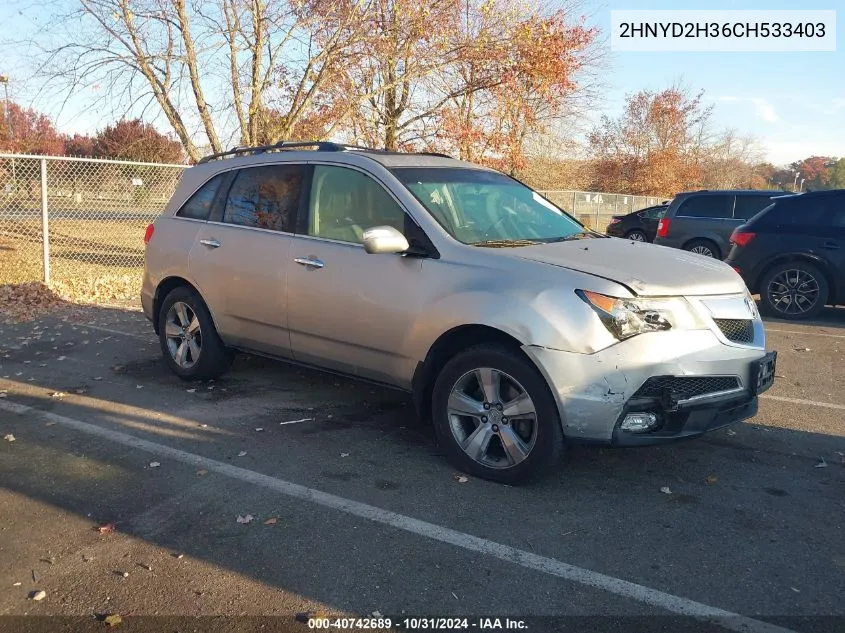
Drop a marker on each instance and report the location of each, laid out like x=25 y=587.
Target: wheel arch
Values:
x=446 y=347
x=164 y=288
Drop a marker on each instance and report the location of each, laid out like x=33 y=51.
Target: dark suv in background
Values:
x=793 y=254
x=702 y=221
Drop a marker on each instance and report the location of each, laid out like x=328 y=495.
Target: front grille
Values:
x=737 y=330
x=686 y=387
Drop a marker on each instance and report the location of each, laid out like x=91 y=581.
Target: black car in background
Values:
x=793 y=254
x=640 y=226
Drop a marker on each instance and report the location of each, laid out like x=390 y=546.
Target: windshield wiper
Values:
x=505 y=243
x=583 y=235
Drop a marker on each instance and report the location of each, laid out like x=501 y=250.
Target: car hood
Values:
x=647 y=269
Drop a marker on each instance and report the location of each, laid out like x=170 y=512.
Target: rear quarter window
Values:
x=705 y=207
x=747 y=207
x=199 y=205
x=793 y=212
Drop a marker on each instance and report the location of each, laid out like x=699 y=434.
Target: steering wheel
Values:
x=506 y=216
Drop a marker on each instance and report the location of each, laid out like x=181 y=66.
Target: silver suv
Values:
x=514 y=327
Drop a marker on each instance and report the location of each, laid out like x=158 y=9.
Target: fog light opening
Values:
x=639 y=422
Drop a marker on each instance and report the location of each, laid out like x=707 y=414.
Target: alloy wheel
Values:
x=793 y=291
x=702 y=250
x=183 y=334
x=492 y=417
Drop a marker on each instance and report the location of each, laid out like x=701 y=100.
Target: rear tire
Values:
x=794 y=290
x=473 y=396
x=637 y=236
x=707 y=248
x=189 y=341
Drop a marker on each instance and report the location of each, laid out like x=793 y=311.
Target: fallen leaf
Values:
x=3 y=394
x=105 y=528
x=272 y=521
x=376 y=614
x=259 y=429
x=9 y=437
x=242 y=454
x=154 y=464
x=795 y=590
x=730 y=432
x=247 y=519
x=98 y=377
x=112 y=619
x=139 y=386
x=190 y=390
x=80 y=390
x=711 y=479
x=58 y=394
x=202 y=473
x=802 y=349
x=17 y=584
x=38 y=595
x=665 y=490
x=461 y=479
x=344 y=454
x=454 y=595
x=822 y=463
x=118 y=368
x=61 y=357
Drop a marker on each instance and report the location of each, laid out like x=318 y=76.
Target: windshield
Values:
x=486 y=208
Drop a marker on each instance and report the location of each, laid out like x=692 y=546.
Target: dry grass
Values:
x=91 y=261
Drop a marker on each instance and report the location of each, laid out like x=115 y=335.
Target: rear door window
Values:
x=265 y=197
x=794 y=212
x=715 y=206
x=199 y=205
x=747 y=207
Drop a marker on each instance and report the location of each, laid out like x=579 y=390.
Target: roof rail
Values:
x=320 y=146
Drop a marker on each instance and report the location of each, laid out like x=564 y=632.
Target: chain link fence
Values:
x=78 y=223
x=595 y=209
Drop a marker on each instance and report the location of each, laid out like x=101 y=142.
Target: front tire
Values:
x=637 y=236
x=495 y=417
x=189 y=341
x=794 y=290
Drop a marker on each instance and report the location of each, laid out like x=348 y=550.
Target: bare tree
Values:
x=212 y=67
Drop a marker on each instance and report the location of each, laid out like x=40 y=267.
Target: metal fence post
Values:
x=45 y=222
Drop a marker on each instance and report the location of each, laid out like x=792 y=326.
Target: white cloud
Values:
x=765 y=110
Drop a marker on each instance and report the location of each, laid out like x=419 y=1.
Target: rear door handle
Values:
x=210 y=243
x=831 y=245
x=309 y=261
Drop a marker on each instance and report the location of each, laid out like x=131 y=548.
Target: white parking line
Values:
x=543 y=564
x=768 y=329
x=813 y=403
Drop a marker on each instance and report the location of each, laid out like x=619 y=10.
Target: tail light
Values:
x=663 y=227
x=741 y=238
x=148 y=234
x=615 y=220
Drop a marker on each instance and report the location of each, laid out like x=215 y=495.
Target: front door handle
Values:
x=210 y=243
x=309 y=261
x=831 y=245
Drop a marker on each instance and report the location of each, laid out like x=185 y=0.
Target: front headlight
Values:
x=625 y=318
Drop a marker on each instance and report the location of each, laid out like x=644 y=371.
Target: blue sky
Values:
x=793 y=103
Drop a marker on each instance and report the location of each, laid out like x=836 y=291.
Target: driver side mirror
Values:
x=384 y=239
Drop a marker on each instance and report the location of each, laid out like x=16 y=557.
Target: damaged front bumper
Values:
x=691 y=380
